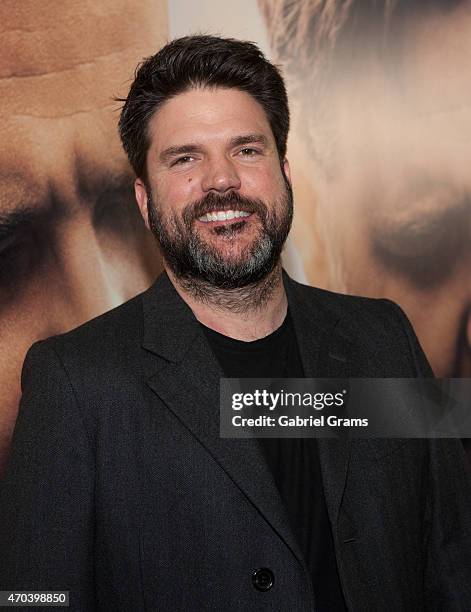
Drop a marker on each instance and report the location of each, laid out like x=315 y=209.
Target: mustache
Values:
x=231 y=201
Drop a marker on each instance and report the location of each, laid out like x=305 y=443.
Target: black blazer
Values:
x=121 y=490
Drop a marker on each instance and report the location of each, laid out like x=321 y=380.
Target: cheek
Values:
x=266 y=182
x=176 y=194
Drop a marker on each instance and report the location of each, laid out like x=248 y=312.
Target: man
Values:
x=72 y=244
x=120 y=488
x=381 y=146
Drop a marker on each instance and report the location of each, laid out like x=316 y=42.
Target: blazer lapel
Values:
x=185 y=375
x=325 y=353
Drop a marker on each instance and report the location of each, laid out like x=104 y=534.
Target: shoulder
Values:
x=95 y=346
x=360 y=311
x=123 y=321
x=376 y=327
x=85 y=370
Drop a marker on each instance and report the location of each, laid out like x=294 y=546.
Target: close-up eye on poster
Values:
x=235 y=305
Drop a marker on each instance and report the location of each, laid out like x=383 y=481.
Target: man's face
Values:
x=218 y=200
x=395 y=214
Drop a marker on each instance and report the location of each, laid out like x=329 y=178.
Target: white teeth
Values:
x=221 y=215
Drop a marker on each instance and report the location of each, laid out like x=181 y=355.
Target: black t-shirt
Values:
x=294 y=462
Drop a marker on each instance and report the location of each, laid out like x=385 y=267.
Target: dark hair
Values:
x=200 y=61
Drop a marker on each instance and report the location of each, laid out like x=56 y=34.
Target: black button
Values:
x=263 y=579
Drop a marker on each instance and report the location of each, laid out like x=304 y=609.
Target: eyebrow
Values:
x=170 y=152
x=186 y=149
x=249 y=139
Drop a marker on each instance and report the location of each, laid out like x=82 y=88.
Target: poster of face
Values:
x=72 y=242
x=382 y=126
x=379 y=153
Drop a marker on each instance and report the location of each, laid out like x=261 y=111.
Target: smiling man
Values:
x=120 y=488
x=224 y=142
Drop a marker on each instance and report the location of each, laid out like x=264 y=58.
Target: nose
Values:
x=221 y=175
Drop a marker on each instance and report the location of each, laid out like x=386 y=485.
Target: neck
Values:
x=248 y=313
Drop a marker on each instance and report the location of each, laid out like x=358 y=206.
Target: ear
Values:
x=140 y=192
x=287 y=170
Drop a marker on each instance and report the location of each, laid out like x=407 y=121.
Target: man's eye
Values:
x=7 y=244
x=183 y=160
x=248 y=152
x=16 y=258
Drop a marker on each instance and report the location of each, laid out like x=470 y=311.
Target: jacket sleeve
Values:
x=447 y=517
x=46 y=497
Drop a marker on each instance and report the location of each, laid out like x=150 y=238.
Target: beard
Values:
x=198 y=264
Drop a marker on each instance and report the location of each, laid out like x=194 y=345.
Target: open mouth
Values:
x=224 y=217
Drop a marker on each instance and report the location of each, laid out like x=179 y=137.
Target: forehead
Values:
x=63 y=58
x=60 y=66
x=416 y=118
x=207 y=115
x=439 y=54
